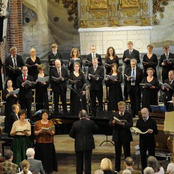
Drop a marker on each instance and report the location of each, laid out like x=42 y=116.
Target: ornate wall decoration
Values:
x=114 y=9
x=130 y=3
x=130 y=22
x=97 y=23
x=130 y=13
x=83 y=24
x=145 y=7
x=113 y=23
x=83 y=9
x=98 y=4
x=98 y=14
x=146 y=22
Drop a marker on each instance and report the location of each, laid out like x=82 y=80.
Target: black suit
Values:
x=168 y=93
x=96 y=87
x=59 y=88
x=167 y=67
x=12 y=118
x=25 y=94
x=122 y=137
x=82 y=131
x=52 y=58
x=134 y=90
x=89 y=58
x=147 y=141
x=13 y=74
x=134 y=55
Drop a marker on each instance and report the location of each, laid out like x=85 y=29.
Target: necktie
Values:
x=130 y=52
x=92 y=55
x=95 y=68
x=59 y=73
x=14 y=62
x=24 y=78
x=133 y=76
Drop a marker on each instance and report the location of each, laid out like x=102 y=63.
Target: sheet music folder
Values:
x=156 y=108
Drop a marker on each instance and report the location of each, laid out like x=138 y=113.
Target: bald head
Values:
x=30 y=153
x=144 y=113
x=83 y=114
x=57 y=63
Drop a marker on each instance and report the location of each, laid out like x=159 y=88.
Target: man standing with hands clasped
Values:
x=147 y=141
x=121 y=121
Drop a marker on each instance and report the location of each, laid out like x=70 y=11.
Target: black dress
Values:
x=0 y=74
x=9 y=102
x=71 y=66
x=110 y=62
x=115 y=92
x=32 y=70
x=150 y=63
x=75 y=105
x=42 y=95
x=150 y=96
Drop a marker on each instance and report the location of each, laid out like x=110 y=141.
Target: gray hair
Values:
x=148 y=170
x=134 y=60
x=126 y=171
x=170 y=168
x=30 y=152
x=13 y=49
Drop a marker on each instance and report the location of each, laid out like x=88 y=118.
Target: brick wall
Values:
x=14 y=26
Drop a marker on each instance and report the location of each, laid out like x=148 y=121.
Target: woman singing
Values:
x=41 y=89
x=110 y=58
x=32 y=63
x=10 y=99
x=113 y=81
x=45 y=150
x=77 y=79
x=150 y=90
x=150 y=61
x=74 y=57
x=21 y=130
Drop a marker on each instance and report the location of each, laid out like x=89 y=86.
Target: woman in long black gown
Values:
x=114 y=84
x=41 y=89
x=10 y=100
x=77 y=79
x=150 y=93
x=150 y=60
x=32 y=63
x=74 y=57
x=110 y=58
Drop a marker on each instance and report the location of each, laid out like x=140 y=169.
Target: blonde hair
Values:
x=25 y=166
x=106 y=164
x=78 y=53
x=54 y=45
x=150 y=69
x=13 y=49
x=32 y=49
x=130 y=43
x=121 y=103
x=41 y=67
x=134 y=60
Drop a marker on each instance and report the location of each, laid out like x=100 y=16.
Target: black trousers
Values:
x=62 y=95
x=26 y=104
x=83 y=157
x=135 y=97
x=118 y=147
x=99 y=95
x=143 y=153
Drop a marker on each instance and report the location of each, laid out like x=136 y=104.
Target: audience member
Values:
x=25 y=167
x=170 y=168
x=126 y=171
x=153 y=162
x=82 y=131
x=148 y=170
x=106 y=166
x=8 y=164
x=35 y=165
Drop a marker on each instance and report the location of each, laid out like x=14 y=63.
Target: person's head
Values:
x=75 y=52
x=24 y=70
x=54 y=47
x=166 y=49
x=44 y=114
x=94 y=61
x=58 y=63
x=144 y=113
x=93 y=49
x=114 y=67
x=171 y=75
x=153 y=162
x=129 y=162
x=148 y=170
x=150 y=72
x=83 y=114
x=110 y=52
x=170 y=168
x=8 y=155
x=130 y=45
x=15 y=108
x=30 y=153
x=13 y=51
x=77 y=66
x=133 y=63
x=41 y=68
x=106 y=164
x=126 y=171
x=99 y=172
x=25 y=166
x=33 y=52
x=121 y=106
x=22 y=114
x=9 y=83
x=149 y=48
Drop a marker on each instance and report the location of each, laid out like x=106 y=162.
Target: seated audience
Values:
x=153 y=162
x=126 y=171
x=106 y=166
x=8 y=165
x=128 y=162
x=25 y=167
x=170 y=168
x=148 y=170
x=35 y=165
